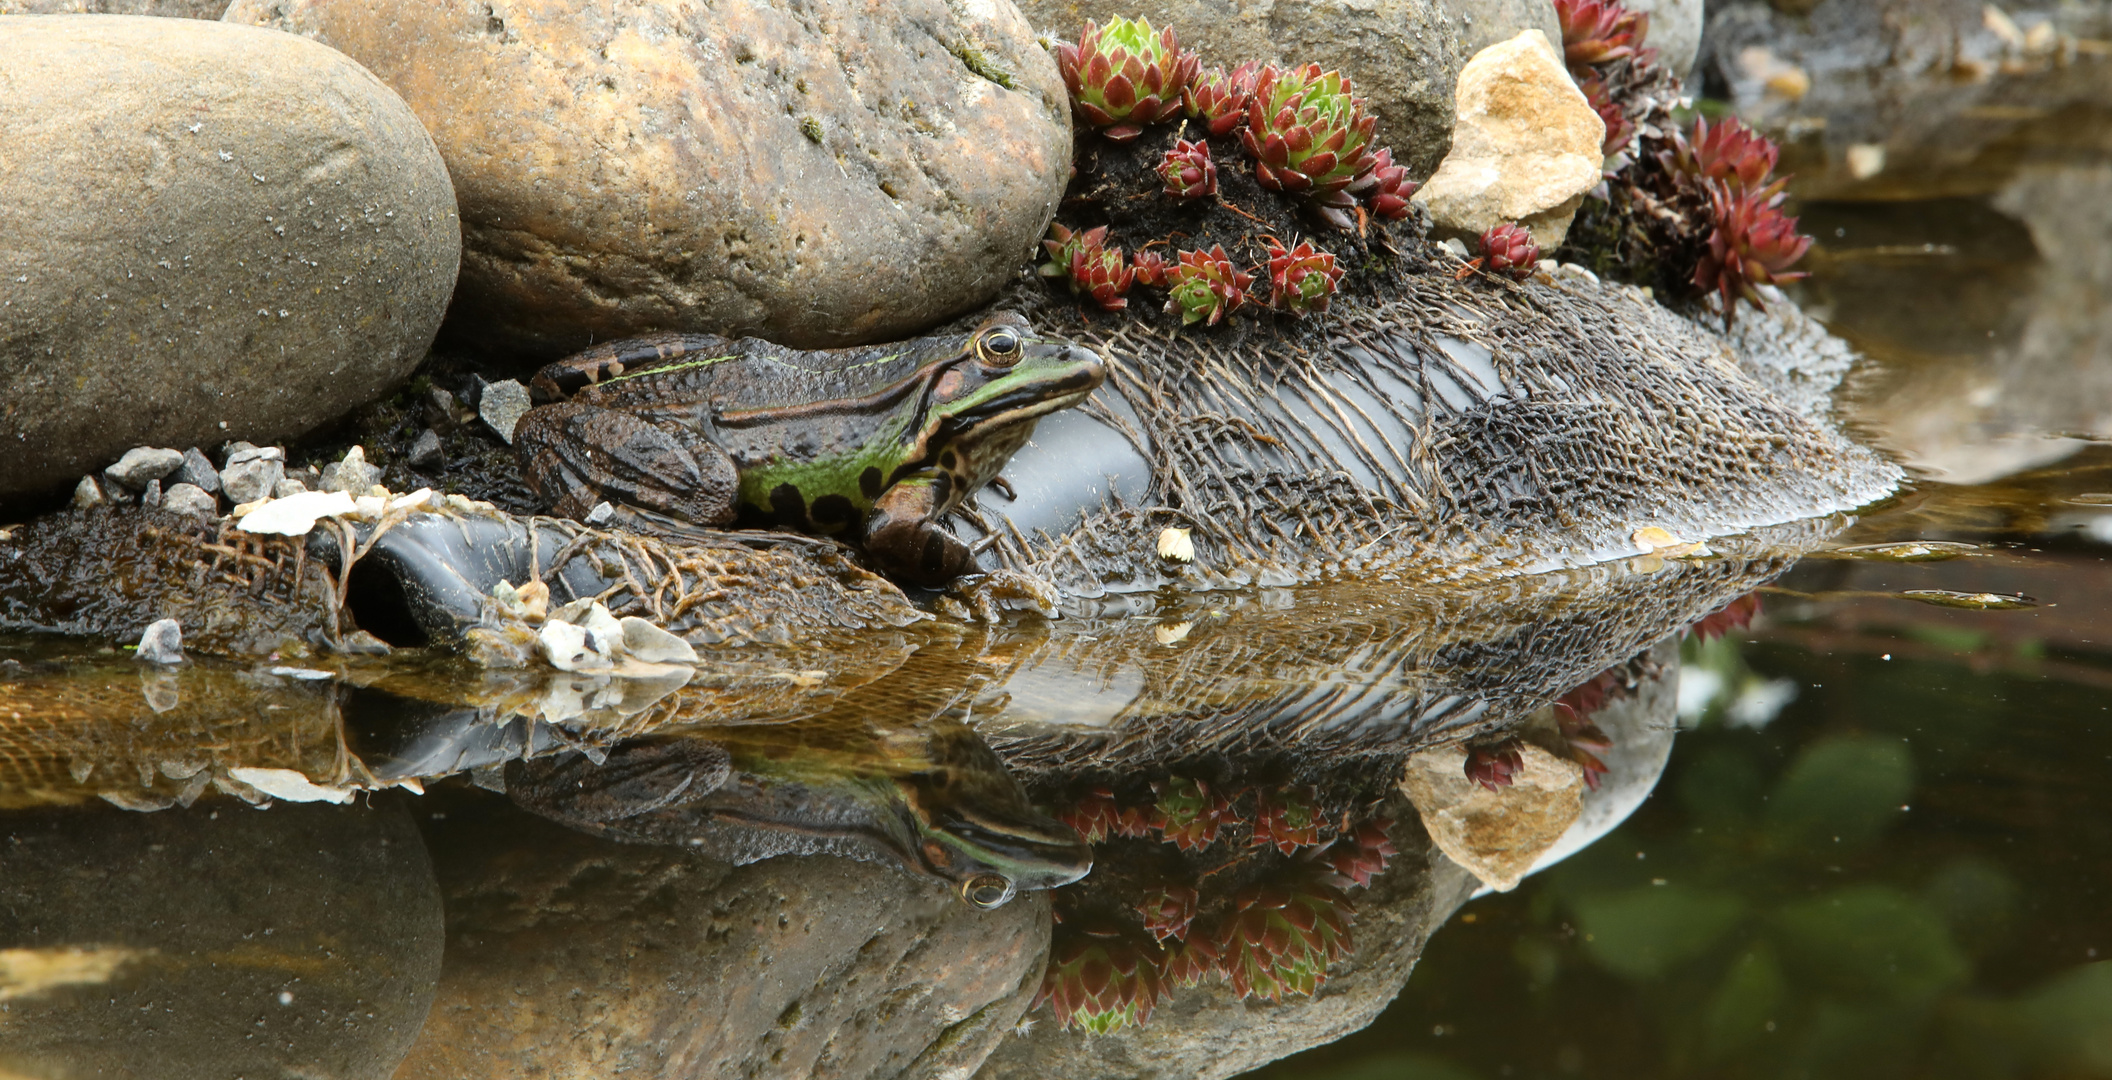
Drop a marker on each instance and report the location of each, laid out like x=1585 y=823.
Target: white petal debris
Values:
x=294 y=515
x=1661 y=543
x=1175 y=544
x=290 y=786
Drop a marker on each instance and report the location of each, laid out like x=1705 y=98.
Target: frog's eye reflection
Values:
x=987 y=890
x=999 y=347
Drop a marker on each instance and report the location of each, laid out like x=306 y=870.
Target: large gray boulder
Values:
x=207 y=232
x=214 y=942
x=821 y=173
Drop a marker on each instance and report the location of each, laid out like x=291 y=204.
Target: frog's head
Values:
x=975 y=827
x=982 y=408
x=990 y=853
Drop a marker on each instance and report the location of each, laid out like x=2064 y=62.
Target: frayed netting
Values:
x=1446 y=431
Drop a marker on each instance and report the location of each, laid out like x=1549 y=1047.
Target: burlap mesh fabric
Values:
x=1444 y=430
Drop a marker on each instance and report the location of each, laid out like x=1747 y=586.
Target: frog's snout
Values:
x=1092 y=367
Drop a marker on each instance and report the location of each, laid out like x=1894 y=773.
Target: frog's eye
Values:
x=987 y=891
x=1000 y=347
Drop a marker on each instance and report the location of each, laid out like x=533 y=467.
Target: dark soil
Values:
x=1117 y=185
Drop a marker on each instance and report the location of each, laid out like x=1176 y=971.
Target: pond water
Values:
x=1880 y=847
x=1876 y=846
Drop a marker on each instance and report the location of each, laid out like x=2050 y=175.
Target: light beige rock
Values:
x=1526 y=147
x=1495 y=835
x=207 y=232
x=1400 y=55
x=818 y=174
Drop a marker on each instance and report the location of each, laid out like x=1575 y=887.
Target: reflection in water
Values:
x=1260 y=879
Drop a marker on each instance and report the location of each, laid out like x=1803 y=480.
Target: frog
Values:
x=931 y=800
x=874 y=445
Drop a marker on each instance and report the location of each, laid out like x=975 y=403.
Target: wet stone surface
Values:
x=217 y=941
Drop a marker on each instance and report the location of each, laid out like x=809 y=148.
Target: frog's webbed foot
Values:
x=981 y=593
x=1003 y=487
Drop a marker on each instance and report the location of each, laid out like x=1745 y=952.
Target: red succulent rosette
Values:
x=1125 y=75
x=1192 y=959
x=1384 y=185
x=1101 y=978
x=1188 y=171
x=1188 y=814
x=1219 y=99
x=1301 y=279
x=1493 y=766
x=1509 y=249
x=1206 y=286
x=1150 y=268
x=1279 y=939
x=1599 y=31
x=1308 y=136
x=1729 y=154
x=1620 y=131
x=1286 y=819
x=1094 y=816
x=1167 y=911
x=1359 y=856
x=1092 y=265
x=1751 y=244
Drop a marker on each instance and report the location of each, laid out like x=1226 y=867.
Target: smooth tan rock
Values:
x=1495 y=835
x=815 y=173
x=1526 y=148
x=207 y=232
x=1400 y=55
x=573 y=958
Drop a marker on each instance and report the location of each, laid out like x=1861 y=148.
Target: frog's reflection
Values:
x=935 y=802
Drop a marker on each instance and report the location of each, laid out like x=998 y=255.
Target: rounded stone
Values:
x=816 y=173
x=206 y=232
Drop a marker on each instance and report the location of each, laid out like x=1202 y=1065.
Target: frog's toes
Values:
x=983 y=592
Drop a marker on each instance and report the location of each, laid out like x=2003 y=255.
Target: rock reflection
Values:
x=210 y=943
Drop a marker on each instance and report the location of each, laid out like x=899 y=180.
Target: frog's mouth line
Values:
x=1027 y=403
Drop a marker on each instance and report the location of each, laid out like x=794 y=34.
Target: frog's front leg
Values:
x=903 y=534
x=576 y=454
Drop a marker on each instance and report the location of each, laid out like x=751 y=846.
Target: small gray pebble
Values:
x=243 y=454
x=190 y=499
x=151 y=498
x=353 y=475
x=251 y=479
x=162 y=643
x=141 y=464
x=87 y=493
x=503 y=405
x=440 y=409
x=426 y=451
x=228 y=452
x=196 y=471
x=288 y=486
